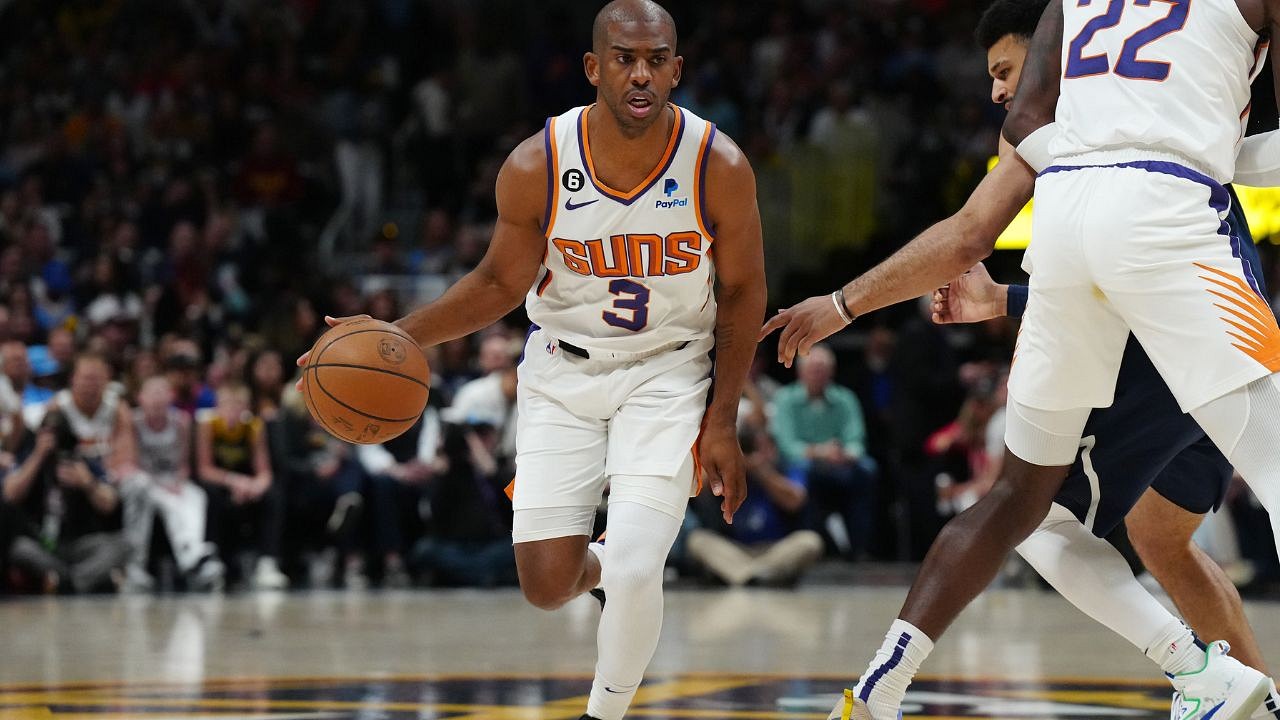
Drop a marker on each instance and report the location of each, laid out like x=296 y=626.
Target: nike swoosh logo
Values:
x=615 y=692
x=568 y=203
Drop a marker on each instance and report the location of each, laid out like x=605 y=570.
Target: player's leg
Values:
x=1180 y=284
x=560 y=457
x=553 y=572
x=1245 y=425
x=1093 y=576
x=645 y=516
x=1161 y=530
x=651 y=475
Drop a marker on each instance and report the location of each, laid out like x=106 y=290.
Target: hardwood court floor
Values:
x=724 y=654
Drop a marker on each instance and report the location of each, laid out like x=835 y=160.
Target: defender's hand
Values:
x=332 y=322
x=972 y=297
x=722 y=465
x=804 y=326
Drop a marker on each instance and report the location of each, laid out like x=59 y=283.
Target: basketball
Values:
x=366 y=381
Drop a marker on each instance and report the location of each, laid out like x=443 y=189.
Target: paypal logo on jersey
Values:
x=669 y=187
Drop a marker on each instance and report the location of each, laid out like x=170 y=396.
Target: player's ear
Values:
x=591 y=64
x=678 y=62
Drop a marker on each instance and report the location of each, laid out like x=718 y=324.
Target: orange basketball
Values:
x=366 y=381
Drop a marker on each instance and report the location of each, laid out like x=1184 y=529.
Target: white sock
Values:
x=597 y=549
x=1270 y=709
x=639 y=540
x=885 y=682
x=1176 y=651
x=1092 y=575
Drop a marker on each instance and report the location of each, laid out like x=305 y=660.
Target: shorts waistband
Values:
x=607 y=355
x=1127 y=157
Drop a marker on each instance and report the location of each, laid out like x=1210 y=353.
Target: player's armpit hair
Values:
x=1008 y=17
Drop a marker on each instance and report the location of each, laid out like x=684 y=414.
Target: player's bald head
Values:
x=630 y=11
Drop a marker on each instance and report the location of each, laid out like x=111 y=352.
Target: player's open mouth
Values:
x=640 y=105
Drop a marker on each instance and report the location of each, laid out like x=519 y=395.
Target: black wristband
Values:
x=1016 y=304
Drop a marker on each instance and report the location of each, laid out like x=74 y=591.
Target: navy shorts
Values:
x=1145 y=440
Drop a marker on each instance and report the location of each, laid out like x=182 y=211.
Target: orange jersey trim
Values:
x=699 y=178
x=672 y=143
x=553 y=182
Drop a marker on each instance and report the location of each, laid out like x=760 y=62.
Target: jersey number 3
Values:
x=631 y=296
x=1127 y=65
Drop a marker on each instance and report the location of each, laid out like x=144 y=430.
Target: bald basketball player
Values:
x=605 y=225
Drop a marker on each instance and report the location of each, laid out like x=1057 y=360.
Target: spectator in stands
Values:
x=767 y=543
x=182 y=366
x=234 y=465
x=65 y=487
x=266 y=381
x=17 y=391
x=326 y=488
x=960 y=448
x=820 y=431
x=468 y=542
x=492 y=395
x=400 y=471
x=162 y=490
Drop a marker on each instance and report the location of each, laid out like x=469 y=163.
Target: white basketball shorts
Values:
x=1143 y=247
x=582 y=421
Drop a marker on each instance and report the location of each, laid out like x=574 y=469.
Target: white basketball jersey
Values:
x=625 y=271
x=93 y=433
x=1168 y=76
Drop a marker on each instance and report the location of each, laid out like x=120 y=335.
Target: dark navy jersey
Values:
x=1144 y=439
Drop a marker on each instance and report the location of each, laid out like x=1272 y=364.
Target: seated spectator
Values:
x=233 y=463
x=469 y=539
x=399 y=473
x=766 y=543
x=181 y=359
x=163 y=489
x=326 y=500
x=65 y=487
x=962 y=451
x=492 y=396
x=819 y=428
x=17 y=392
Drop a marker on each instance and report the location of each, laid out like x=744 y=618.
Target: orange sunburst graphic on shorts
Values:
x=1254 y=325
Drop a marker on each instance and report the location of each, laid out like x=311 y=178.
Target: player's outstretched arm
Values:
x=1036 y=100
x=500 y=281
x=936 y=256
x=730 y=194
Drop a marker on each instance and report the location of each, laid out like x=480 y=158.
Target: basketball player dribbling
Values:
x=606 y=221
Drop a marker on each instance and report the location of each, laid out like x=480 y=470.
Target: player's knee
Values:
x=546 y=595
x=1021 y=504
x=632 y=577
x=1162 y=556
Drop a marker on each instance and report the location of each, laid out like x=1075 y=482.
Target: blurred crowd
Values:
x=187 y=187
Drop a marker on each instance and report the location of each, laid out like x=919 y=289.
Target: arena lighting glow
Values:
x=1261 y=206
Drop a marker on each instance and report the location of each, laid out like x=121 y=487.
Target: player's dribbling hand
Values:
x=723 y=467
x=803 y=326
x=972 y=297
x=331 y=322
